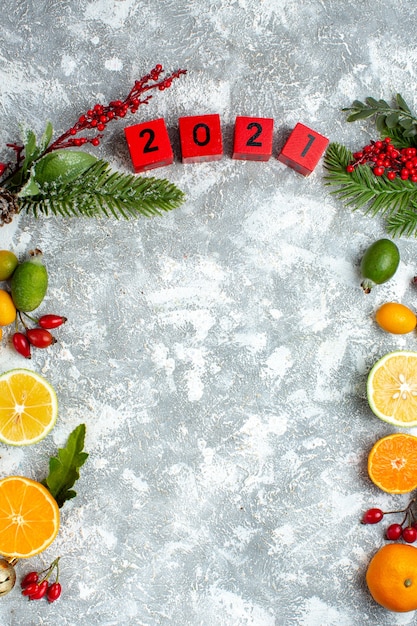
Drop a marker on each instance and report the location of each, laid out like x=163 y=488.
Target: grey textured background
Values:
x=218 y=355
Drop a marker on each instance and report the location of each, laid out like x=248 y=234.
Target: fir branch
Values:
x=100 y=191
x=403 y=222
x=361 y=189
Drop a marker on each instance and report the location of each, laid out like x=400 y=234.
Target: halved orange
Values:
x=28 y=407
x=392 y=463
x=29 y=517
x=392 y=388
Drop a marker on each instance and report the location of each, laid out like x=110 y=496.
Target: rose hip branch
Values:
x=201 y=140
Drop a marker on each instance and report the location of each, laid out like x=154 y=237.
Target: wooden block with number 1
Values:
x=303 y=149
x=149 y=145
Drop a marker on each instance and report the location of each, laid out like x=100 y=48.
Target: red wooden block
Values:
x=149 y=145
x=200 y=138
x=253 y=138
x=303 y=149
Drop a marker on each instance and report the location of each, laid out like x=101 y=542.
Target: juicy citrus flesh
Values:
x=8 y=264
x=392 y=463
x=392 y=388
x=392 y=577
x=29 y=517
x=7 y=308
x=28 y=407
x=396 y=318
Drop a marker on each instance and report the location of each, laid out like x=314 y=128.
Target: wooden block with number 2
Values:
x=303 y=149
x=253 y=138
x=149 y=145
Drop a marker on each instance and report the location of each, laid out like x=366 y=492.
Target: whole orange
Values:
x=396 y=318
x=392 y=577
x=7 y=308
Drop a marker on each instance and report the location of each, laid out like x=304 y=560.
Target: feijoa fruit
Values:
x=29 y=283
x=379 y=263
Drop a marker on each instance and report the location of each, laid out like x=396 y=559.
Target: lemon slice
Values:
x=28 y=407
x=29 y=517
x=392 y=388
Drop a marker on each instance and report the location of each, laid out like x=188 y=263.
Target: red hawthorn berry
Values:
x=29 y=579
x=40 y=337
x=41 y=591
x=21 y=345
x=53 y=592
x=51 y=321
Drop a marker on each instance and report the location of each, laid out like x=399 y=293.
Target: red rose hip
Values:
x=51 y=321
x=39 y=337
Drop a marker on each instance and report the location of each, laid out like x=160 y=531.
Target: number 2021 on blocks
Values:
x=201 y=140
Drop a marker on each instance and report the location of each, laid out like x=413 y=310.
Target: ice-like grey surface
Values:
x=218 y=354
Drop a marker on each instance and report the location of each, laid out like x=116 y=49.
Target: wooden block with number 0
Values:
x=303 y=149
x=149 y=145
x=201 y=138
x=253 y=138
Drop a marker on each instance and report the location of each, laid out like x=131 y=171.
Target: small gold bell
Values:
x=7 y=575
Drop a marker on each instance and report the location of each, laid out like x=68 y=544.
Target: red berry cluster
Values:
x=99 y=116
x=39 y=337
x=406 y=529
x=96 y=119
x=384 y=158
x=36 y=585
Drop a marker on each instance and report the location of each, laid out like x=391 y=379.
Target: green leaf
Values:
x=46 y=138
x=405 y=122
x=392 y=119
x=372 y=102
x=100 y=191
x=380 y=123
x=31 y=152
x=63 y=468
x=62 y=166
x=30 y=188
x=402 y=103
x=30 y=145
x=360 y=115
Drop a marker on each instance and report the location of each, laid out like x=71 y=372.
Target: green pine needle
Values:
x=361 y=189
x=100 y=191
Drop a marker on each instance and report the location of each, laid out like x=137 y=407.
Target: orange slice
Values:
x=392 y=463
x=29 y=517
x=28 y=407
x=392 y=388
